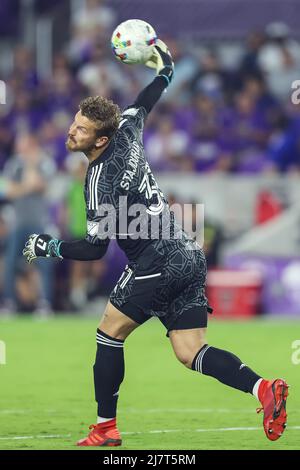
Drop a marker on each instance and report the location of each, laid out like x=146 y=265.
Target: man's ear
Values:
x=101 y=141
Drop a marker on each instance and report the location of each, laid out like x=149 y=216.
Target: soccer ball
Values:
x=132 y=41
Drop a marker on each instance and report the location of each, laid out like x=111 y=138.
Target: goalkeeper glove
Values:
x=41 y=245
x=162 y=61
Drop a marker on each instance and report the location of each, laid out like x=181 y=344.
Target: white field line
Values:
x=155 y=431
x=49 y=436
x=187 y=410
x=151 y=411
x=161 y=431
x=24 y=412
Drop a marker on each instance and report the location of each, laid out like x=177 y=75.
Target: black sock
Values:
x=226 y=367
x=108 y=373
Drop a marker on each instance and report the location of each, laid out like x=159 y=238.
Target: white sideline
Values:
x=160 y=431
x=187 y=410
x=153 y=410
x=23 y=412
x=50 y=436
x=156 y=431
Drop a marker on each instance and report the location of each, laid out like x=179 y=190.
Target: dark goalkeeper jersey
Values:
x=122 y=198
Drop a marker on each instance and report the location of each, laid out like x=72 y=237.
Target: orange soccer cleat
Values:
x=273 y=394
x=102 y=434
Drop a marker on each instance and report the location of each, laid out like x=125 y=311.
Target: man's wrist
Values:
x=53 y=248
x=167 y=73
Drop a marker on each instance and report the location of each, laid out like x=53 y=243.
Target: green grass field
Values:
x=47 y=398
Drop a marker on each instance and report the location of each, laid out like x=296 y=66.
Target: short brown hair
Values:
x=103 y=112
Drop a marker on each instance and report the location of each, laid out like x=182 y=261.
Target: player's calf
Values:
x=228 y=369
x=108 y=373
x=108 y=376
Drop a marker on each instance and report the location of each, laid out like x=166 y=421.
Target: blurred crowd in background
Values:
x=228 y=116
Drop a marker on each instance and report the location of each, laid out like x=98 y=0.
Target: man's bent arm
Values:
x=151 y=94
x=165 y=70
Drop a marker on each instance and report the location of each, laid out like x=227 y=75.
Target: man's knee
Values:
x=185 y=358
x=115 y=324
x=187 y=343
x=187 y=355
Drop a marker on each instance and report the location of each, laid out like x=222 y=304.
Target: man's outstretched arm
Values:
x=44 y=245
x=162 y=61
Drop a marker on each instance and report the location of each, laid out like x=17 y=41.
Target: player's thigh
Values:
x=186 y=343
x=116 y=324
x=188 y=332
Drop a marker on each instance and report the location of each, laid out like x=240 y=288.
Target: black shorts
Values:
x=167 y=281
x=196 y=317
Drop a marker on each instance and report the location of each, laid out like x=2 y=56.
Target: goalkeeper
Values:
x=166 y=271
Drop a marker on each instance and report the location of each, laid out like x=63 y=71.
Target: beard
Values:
x=70 y=145
x=74 y=146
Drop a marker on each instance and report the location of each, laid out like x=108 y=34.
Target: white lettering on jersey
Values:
x=125 y=185
x=151 y=189
x=133 y=164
